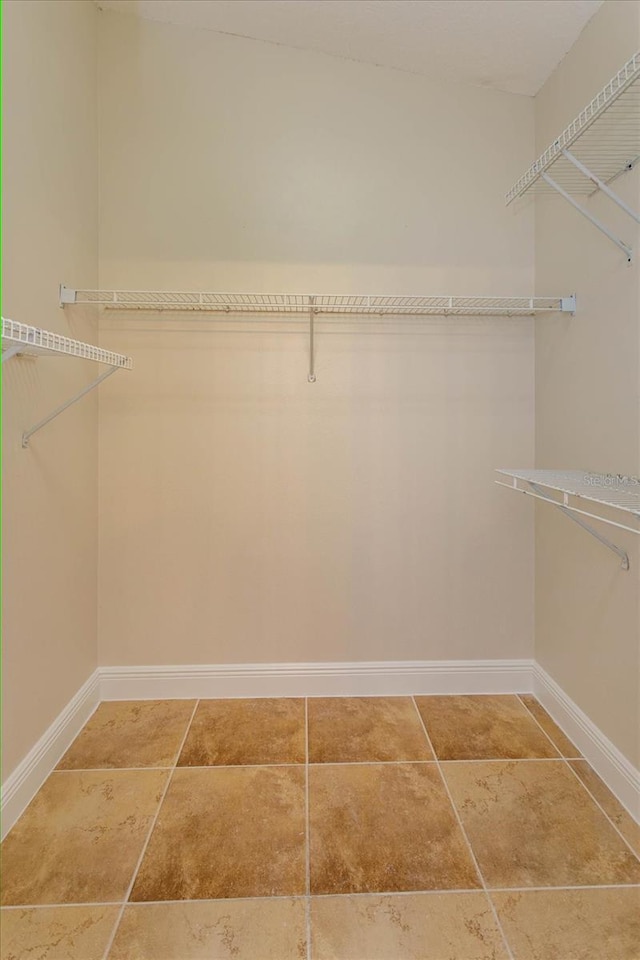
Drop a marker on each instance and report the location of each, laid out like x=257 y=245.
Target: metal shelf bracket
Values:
x=11 y=351
x=568 y=304
x=64 y=406
x=600 y=185
x=598 y=224
x=66 y=295
x=563 y=508
x=620 y=493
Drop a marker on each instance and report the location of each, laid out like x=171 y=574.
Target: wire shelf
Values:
x=611 y=490
x=33 y=341
x=320 y=305
x=605 y=137
x=580 y=489
x=21 y=339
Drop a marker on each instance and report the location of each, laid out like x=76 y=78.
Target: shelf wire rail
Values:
x=601 y=144
x=612 y=491
x=312 y=307
x=20 y=339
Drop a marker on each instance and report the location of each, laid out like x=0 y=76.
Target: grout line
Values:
x=531 y=716
x=307 y=846
x=323 y=896
x=589 y=886
x=578 y=755
x=328 y=763
x=109 y=769
x=467 y=890
x=107 y=949
x=601 y=808
x=466 y=838
x=387 y=763
x=585 y=787
x=49 y=906
x=208 y=766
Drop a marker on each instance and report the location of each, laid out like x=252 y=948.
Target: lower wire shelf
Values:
x=609 y=491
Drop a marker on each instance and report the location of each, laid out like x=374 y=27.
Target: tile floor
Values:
x=391 y=828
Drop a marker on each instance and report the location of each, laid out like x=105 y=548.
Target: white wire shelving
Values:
x=320 y=304
x=20 y=339
x=601 y=144
x=611 y=491
x=312 y=307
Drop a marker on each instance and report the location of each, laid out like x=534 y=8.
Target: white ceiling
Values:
x=511 y=45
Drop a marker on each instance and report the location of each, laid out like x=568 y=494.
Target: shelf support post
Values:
x=628 y=252
x=601 y=185
x=624 y=556
x=63 y=406
x=312 y=346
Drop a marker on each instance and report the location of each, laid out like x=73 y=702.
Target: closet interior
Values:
x=286 y=672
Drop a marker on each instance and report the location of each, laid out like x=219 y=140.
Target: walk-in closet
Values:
x=321 y=480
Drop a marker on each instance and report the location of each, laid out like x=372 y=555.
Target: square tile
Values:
x=482 y=728
x=550 y=727
x=206 y=930
x=368 y=729
x=532 y=824
x=56 y=933
x=382 y=828
x=572 y=924
x=135 y=733
x=80 y=838
x=625 y=823
x=237 y=832
x=428 y=926
x=229 y=732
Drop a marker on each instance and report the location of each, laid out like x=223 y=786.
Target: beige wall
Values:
x=587 y=407
x=50 y=490
x=246 y=515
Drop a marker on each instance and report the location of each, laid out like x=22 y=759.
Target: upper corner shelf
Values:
x=602 y=143
x=611 y=491
x=22 y=339
x=319 y=305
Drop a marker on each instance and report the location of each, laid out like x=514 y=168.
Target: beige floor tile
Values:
x=347 y=729
x=237 y=832
x=432 y=926
x=572 y=924
x=137 y=733
x=244 y=732
x=482 y=728
x=56 y=933
x=80 y=838
x=625 y=823
x=383 y=828
x=532 y=824
x=206 y=930
x=550 y=727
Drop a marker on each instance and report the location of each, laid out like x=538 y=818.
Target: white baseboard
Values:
x=622 y=778
x=383 y=678
x=23 y=783
x=363 y=679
